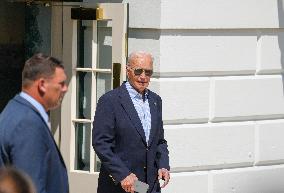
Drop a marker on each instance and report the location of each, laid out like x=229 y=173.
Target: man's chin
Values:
x=142 y=89
x=55 y=106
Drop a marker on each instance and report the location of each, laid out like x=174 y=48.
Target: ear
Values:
x=42 y=85
x=127 y=71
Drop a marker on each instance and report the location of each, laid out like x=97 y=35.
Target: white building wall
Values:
x=218 y=68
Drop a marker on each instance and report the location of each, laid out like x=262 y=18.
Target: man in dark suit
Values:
x=128 y=134
x=25 y=138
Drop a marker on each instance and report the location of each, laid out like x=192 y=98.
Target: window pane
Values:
x=83 y=103
x=104 y=44
x=82 y=143
x=103 y=84
x=85 y=37
x=104 y=56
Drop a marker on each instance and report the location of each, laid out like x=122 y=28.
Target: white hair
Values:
x=138 y=54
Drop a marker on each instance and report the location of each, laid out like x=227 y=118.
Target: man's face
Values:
x=55 y=88
x=140 y=64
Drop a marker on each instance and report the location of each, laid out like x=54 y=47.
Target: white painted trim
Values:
x=93 y=70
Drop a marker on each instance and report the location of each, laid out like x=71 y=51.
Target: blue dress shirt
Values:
x=142 y=107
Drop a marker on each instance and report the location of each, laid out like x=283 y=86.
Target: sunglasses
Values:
x=139 y=71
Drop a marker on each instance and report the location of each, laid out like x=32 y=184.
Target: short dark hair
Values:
x=20 y=181
x=38 y=66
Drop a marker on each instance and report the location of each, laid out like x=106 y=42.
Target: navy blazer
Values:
x=120 y=143
x=27 y=144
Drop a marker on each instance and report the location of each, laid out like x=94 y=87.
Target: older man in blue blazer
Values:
x=25 y=138
x=128 y=134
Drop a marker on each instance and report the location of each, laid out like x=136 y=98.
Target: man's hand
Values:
x=165 y=175
x=128 y=183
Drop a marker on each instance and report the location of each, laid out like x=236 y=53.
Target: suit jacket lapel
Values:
x=154 y=113
x=131 y=111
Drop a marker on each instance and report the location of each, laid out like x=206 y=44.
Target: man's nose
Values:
x=65 y=88
x=143 y=75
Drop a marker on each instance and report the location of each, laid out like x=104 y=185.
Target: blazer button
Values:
x=145 y=168
x=111 y=178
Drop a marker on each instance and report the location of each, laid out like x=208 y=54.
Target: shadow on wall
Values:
x=152 y=34
x=104 y=1
x=280 y=37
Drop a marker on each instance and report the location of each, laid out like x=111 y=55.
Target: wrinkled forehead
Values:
x=143 y=61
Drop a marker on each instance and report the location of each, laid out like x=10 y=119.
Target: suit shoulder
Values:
x=17 y=120
x=15 y=113
x=16 y=107
x=111 y=95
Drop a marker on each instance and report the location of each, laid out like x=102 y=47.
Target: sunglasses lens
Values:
x=138 y=71
x=148 y=72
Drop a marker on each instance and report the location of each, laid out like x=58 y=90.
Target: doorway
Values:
x=91 y=39
x=25 y=29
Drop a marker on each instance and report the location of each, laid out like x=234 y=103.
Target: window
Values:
x=93 y=79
